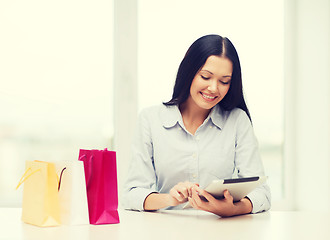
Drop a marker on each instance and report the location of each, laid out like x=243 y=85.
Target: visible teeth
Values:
x=209 y=97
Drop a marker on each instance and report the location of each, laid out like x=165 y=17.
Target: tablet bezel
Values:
x=237 y=187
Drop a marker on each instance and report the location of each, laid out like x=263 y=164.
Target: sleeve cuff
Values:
x=134 y=200
x=259 y=202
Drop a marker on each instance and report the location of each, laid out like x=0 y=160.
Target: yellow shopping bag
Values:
x=40 y=194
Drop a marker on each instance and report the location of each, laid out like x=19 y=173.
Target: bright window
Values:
x=56 y=84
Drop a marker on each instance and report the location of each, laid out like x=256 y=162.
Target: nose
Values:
x=213 y=85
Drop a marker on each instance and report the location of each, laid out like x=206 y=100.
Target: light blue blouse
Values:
x=164 y=153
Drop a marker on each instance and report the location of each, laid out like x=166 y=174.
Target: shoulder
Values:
x=237 y=117
x=147 y=115
x=153 y=111
x=161 y=114
x=238 y=113
x=240 y=121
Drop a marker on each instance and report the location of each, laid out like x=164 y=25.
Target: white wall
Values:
x=308 y=99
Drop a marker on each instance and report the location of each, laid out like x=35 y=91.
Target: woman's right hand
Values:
x=180 y=193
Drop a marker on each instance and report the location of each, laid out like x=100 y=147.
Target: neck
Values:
x=192 y=115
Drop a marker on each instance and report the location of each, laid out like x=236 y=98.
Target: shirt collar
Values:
x=217 y=116
x=171 y=116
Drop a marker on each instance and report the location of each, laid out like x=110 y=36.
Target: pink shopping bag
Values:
x=101 y=184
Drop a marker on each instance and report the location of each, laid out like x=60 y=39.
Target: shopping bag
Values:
x=72 y=192
x=40 y=204
x=101 y=183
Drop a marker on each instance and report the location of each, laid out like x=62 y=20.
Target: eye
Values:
x=224 y=83
x=205 y=78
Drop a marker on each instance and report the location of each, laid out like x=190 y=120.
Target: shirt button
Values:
x=194 y=155
x=194 y=176
x=211 y=127
x=197 y=138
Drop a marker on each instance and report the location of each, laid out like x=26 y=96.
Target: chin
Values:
x=206 y=106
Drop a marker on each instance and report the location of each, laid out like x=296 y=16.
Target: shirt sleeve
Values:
x=141 y=177
x=248 y=163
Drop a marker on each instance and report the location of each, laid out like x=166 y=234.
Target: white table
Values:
x=186 y=224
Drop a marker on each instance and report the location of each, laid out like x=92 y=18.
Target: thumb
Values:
x=227 y=195
x=205 y=194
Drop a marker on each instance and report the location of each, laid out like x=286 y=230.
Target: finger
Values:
x=188 y=186
x=228 y=196
x=175 y=194
x=205 y=194
x=195 y=196
x=195 y=185
x=183 y=190
x=189 y=192
x=192 y=202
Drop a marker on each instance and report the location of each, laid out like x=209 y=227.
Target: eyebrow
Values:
x=213 y=74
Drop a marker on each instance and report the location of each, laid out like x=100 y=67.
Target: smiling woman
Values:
x=256 y=28
x=214 y=120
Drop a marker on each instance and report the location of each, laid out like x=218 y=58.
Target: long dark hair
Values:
x=195 y=59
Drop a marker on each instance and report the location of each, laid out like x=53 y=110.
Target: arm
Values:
x=248 y=163
x=141 y=177
x=178 y=195
x=157 y=201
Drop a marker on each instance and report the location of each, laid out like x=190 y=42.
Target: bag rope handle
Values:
x=60 y=179
x=24 y=177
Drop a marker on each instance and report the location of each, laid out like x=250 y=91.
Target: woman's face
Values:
x=211 y=83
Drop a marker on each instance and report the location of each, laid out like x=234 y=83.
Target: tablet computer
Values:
x=237 y=187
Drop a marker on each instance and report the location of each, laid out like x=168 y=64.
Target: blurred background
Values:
x=74 y=74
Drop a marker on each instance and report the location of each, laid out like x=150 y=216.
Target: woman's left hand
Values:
x=224 y=207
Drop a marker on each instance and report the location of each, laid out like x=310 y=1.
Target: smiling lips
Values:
x=208 y=98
